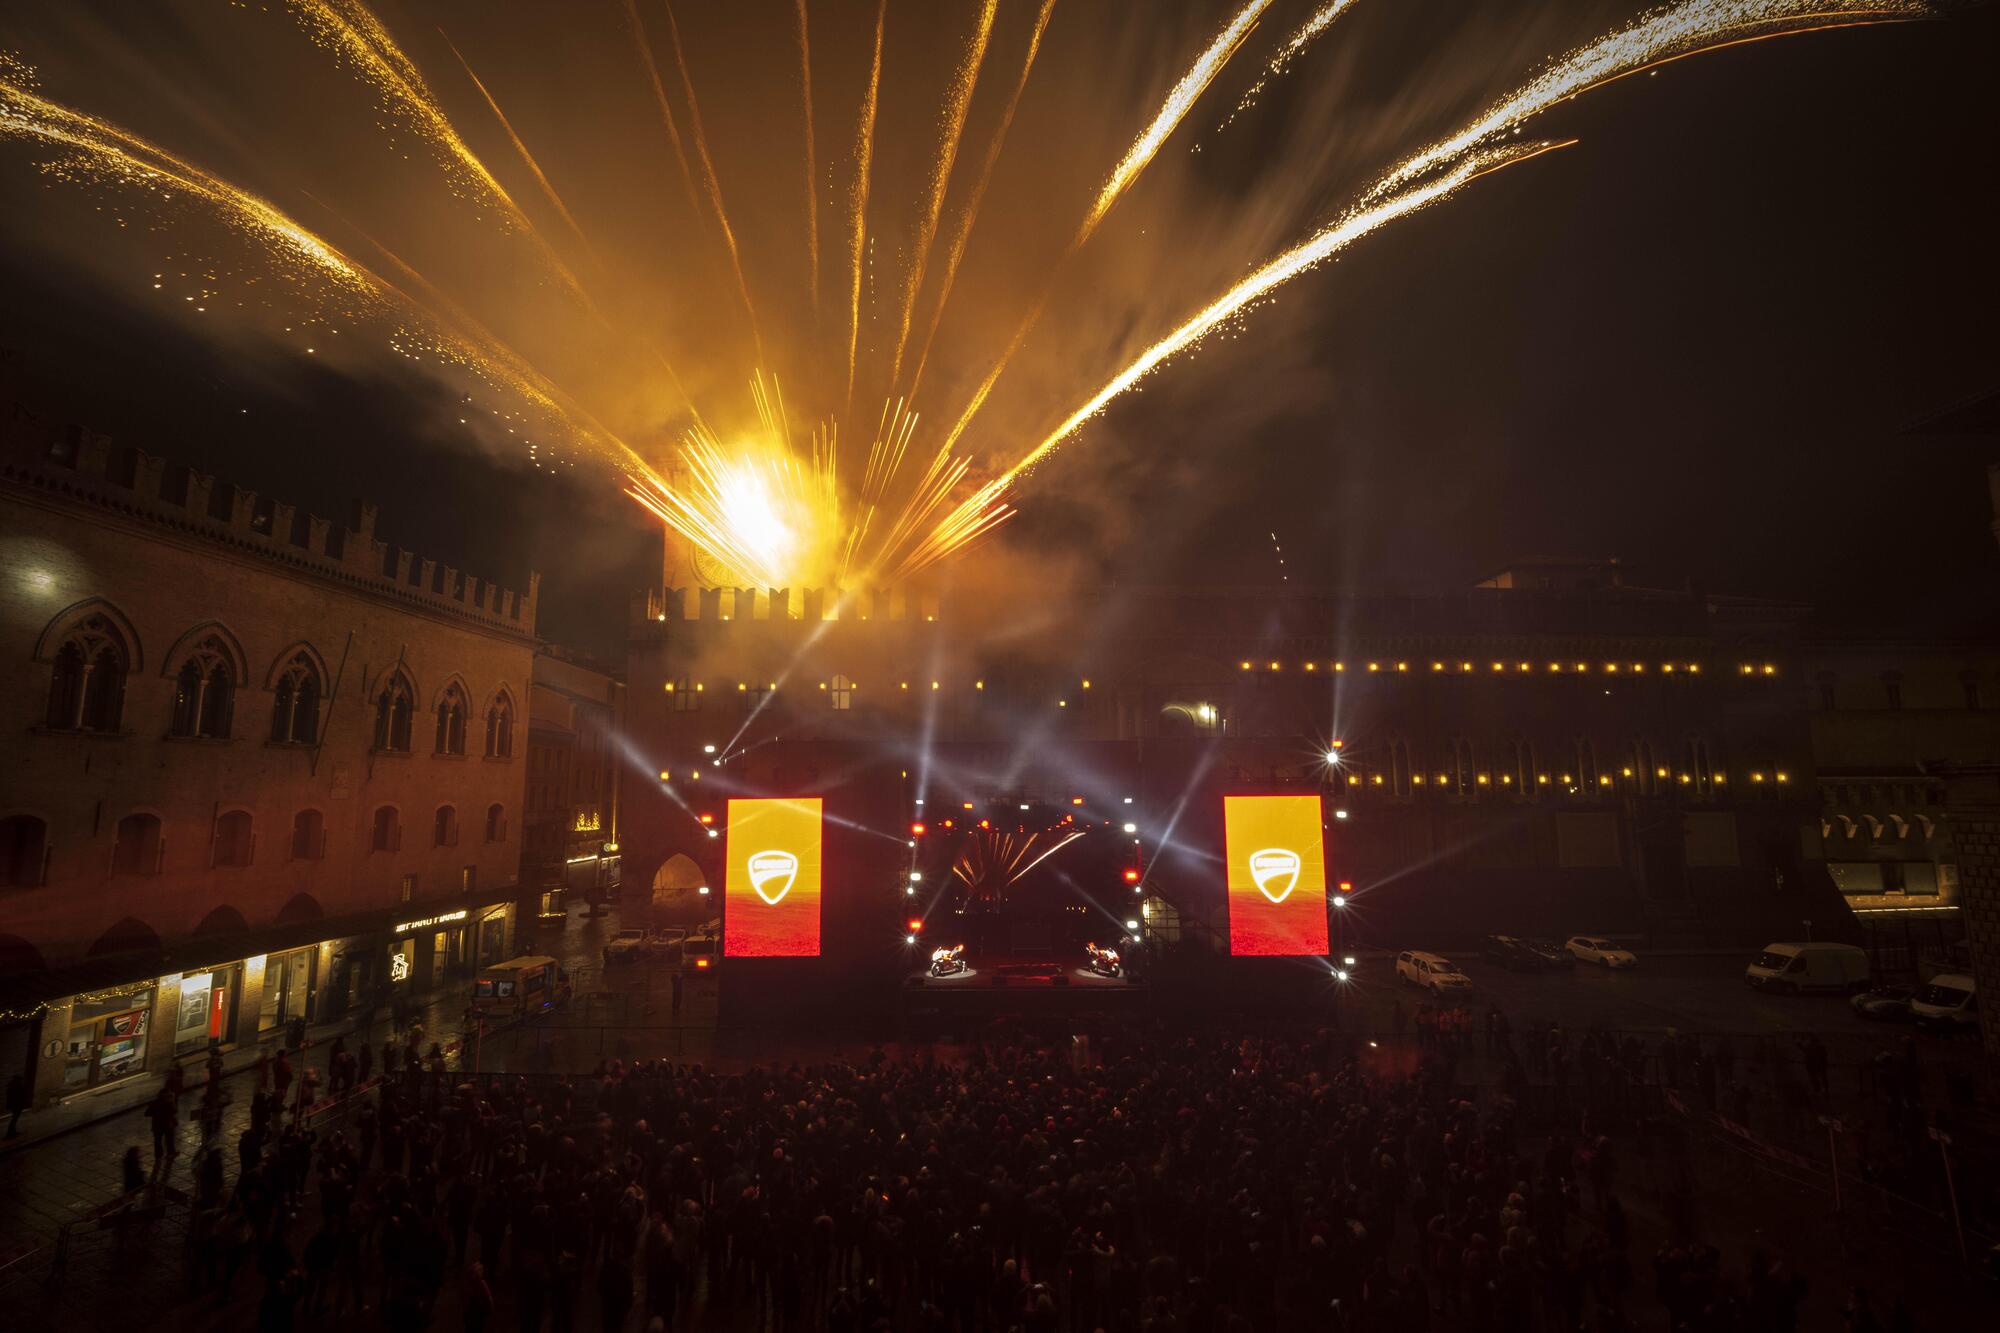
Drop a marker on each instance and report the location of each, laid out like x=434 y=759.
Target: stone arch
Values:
x=196 y=636
x=283 y=662
x=444 y=688
x=18 y=958
x=60 y=625
x=301 y=907
x=129 y=935
x=224 y=920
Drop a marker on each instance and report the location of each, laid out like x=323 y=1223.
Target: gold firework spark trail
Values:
x=1302 y=258
x=812 y=181
x=1320 y=20
x=1174 y=110
x=963 y=233
x=645 y=48
x=709 y=180
x=353 y=33
x=1693 y=28
x=864 y=159
x=1179 y=101
x=534 y=167
x=116 y=156
x=958 y=103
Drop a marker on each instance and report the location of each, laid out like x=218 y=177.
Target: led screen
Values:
x=1277 y=875
x=771 y=889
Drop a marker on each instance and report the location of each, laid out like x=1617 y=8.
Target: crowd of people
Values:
x=1201 y=1184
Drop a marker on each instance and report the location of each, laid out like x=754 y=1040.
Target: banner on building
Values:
x=770 y=893
x=1276 y=876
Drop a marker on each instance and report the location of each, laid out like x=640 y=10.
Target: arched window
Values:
x=308 y=835
x=139 y=849
x=295 y=703
x=1400 y=768
x=496 y=822
x=451 y=712
x=1700 y=767
x=87 y=687
x=235 y=839
x=444 y=827
x=1459 y=764
x=394 y=704
x=202 y=692
x=500 y=727
x=1526 y=774
x=1587 y=773
x=387 y=832
x=24 y=851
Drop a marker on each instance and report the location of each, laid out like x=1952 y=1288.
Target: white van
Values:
x=1948 y=1002
x=1791 y=969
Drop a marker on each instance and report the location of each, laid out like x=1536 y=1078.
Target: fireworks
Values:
x=775 y=502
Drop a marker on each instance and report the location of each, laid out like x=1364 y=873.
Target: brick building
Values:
x=259 y=767
x=1550 y=752
x=569 y=842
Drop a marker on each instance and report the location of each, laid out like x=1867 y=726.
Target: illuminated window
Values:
x=687 y=699
x=841 y=696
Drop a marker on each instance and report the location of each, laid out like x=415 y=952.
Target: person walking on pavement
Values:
x=165 y=1118
x=17 y=1102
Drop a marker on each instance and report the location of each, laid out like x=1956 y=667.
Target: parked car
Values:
x=1793 y=969
x=1434 y=973
x=627 y=946
x=1597 y=949
x=699 y=952
x=1949 y=1002
x=1521 y=955
x=1885 y=1004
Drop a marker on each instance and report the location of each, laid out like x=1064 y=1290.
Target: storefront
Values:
x=207 y=1008
x=288 y=987
x=107 y=1039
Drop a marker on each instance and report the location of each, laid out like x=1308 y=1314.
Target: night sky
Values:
x=1698 y=341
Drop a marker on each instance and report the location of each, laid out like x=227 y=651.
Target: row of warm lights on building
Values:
x=1458 y=668
x=1779 y=776
x=1520 y=668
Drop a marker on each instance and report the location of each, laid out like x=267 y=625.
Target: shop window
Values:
x=204 y=691
x=295 y=703
x=387 y=833
x=451 y=721
x=444 y=827
x=500 y=727
x=87 y=685
x=24 y=851
x=496 y=823
x=235 y=839
x=308 y=835
x=140 y=849
x=393 y=706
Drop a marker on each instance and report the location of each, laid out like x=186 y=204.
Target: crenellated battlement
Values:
x=807 y=605
x=85 y=467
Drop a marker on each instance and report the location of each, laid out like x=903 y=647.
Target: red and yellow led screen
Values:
x=1277 y=875
x=770 y=893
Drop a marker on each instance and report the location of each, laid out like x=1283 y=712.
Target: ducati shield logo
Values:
x=767 y=869
x=1275 y=870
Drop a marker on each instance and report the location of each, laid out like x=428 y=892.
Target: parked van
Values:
x=1948 y=1002
x=1791 y=969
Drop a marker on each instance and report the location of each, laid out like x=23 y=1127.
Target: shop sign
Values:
x=399 y=967
x=442 y=918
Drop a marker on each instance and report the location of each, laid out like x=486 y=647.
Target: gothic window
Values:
x=24 y=847
x=500 y=727
x=87 y=687
x=451 y=712
x=295 y=703
x=393 y=706
x=235 y=839
x=308 y=835
x=139 y=849
x=203 y=692
x=386 y=835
